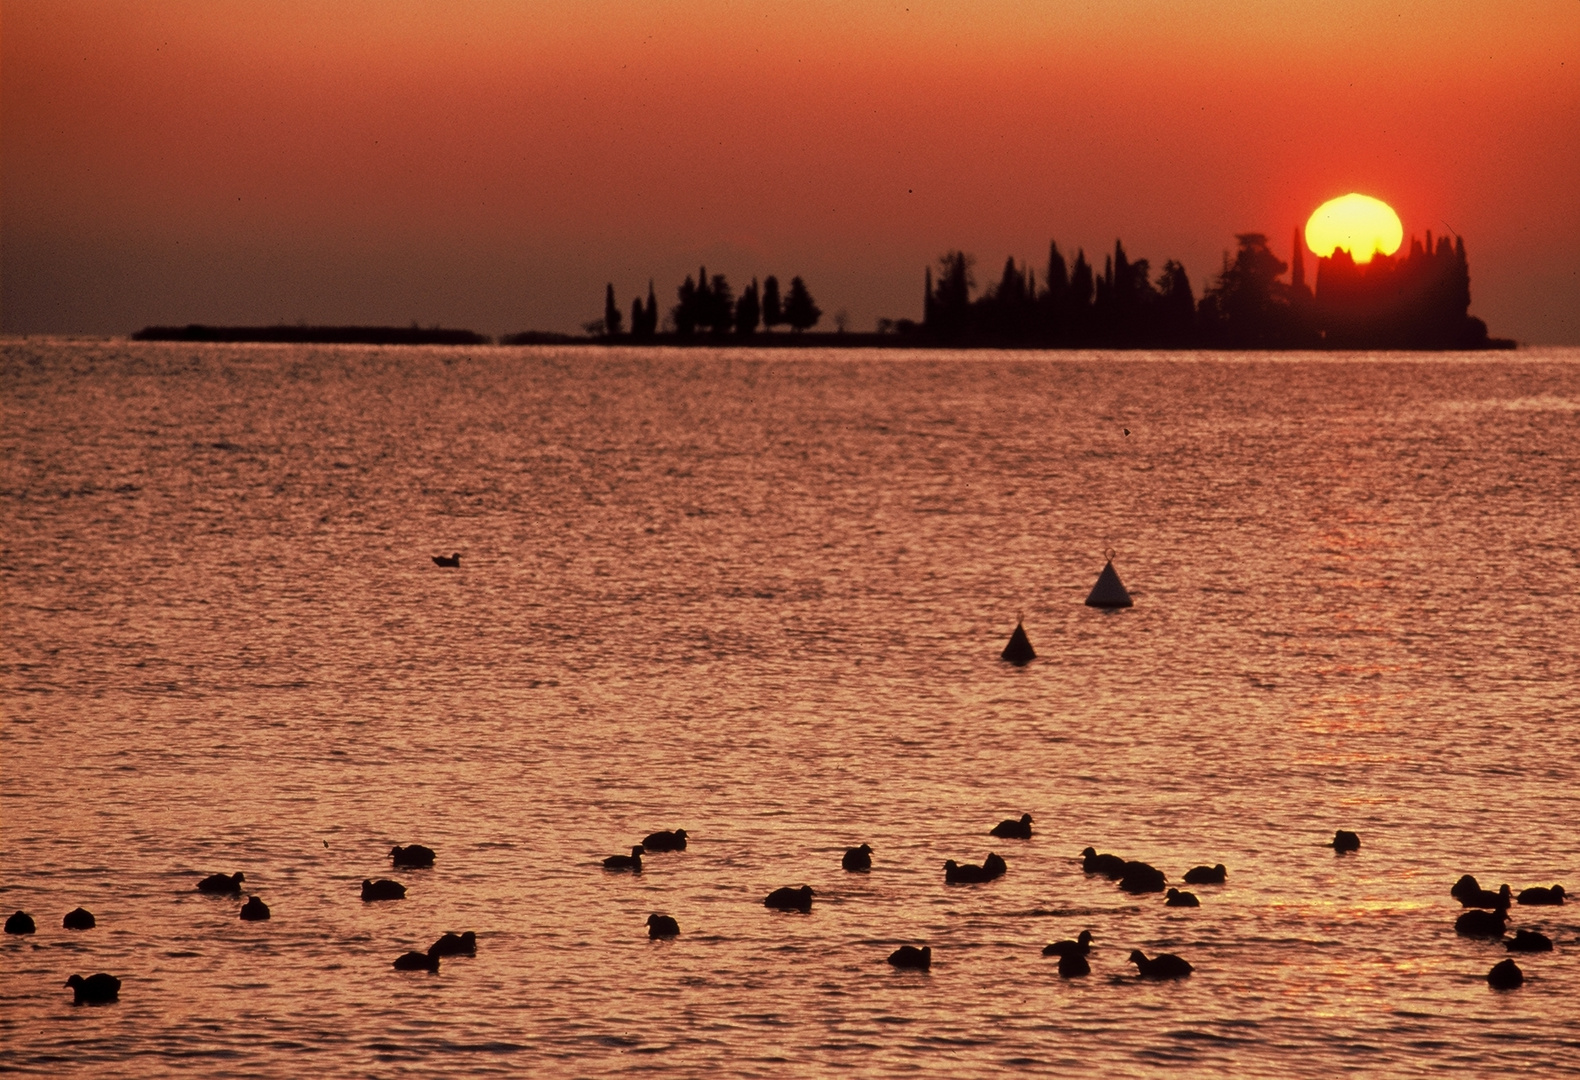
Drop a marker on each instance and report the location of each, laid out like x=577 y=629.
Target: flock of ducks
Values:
x=1486 y=913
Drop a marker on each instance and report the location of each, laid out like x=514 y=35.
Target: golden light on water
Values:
x=1359 y=224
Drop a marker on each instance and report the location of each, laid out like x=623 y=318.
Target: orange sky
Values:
x=248 y=161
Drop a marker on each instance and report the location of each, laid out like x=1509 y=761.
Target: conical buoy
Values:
x=1109 y=592
x=1019 y=651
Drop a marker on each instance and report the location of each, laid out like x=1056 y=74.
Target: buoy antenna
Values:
x=1109 y=553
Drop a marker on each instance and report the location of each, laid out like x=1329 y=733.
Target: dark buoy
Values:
x=1344 y=840
x=662 y=926
x=79 y=919
x=1109 y=592
x=20 y=923
x=911 y=958
x=1019 y=651
x=1505 y=975
x=254 y=910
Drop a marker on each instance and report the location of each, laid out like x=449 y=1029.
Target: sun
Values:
x=1359 y=224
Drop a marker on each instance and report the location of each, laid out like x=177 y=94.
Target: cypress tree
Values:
x=612 y=318
x=773 y=311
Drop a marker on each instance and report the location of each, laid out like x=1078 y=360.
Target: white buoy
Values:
x=1109 y=592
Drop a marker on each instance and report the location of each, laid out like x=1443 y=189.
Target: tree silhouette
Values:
x=800 y=310
x=773 y=311
x=611 y=312
x=1247 y=307
x=747 y=310
x=719 y=306
x=684 y=313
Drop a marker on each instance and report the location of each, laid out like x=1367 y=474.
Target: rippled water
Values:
x=762 y=596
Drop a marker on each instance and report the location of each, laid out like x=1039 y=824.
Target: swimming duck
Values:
x=1505 y=975
x=1079 y=947
x=97 y=989
x=1181 y=899
x=417 y=961
x=857 y=859
x=447 y=560
x=413 y=856
x=222 y=884
x=788 y=899
x=254 y=910
x=631 y=862
x=1529 y=941
x=1206 y=875
x=1482 y=898
x=1073 y=966
x=455 y=945
x=662 y=926
x=1161 y=966
x=1538 y=895
x=1479 y=923
x=383 y=889
x=1141 y=877
x=1014 y=830
x=20 y=923
x=1466 y=885
x=665 y=841
x=1110 y=866
x=970 y=874
x=79 y=919
x=911 y=958
x=1344 y=840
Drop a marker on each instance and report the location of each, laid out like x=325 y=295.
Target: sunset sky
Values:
x=492 y=164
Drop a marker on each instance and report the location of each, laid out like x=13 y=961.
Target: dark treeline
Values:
x=708 y=306
x=319 y=335
x=1419 y=300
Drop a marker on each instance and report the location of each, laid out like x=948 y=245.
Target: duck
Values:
x=1206 y=875
x=413 y=856
x=1482 y=898
x=665 y=841
x=910 y=958
x=1073 y=966
x=455 y=945
x=662 y=926
x=1344 y=840
x=100 y=989
x=788 y=899
x=79 y=919
x=1110 y=866
x=1176 y=898
x=254 y=910
x=417 y=961
x=992 y=867
x=631 y=862
x=1538 y=895
x=1142 y=877
x=1466 y=885
x=1505 y=975
x=447 y=560
x=1529 y=941
x=383 y=889
x=1161 y=966
x=1079 y=947
x=1479 y=923
x=21 y=923
x=222 y=884
x=1013 y=830
x=858 y=860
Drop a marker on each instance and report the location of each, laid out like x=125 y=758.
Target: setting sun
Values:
x=1357 y=223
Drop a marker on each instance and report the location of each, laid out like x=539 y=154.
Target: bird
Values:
x=1126 y=431
x=447 y=560
x=911 y=958
x=99 y=989
x=79 y=919
x=662 y=926
x=631 y=862
x=1013 y=830
x=254 y=910
x=20 y=923
x=417 y=961
x=1181 y=899
x=1505 y=975
x=1538 y=895
x=1141 y=877
x=970 y=874
x=383 y=889
x=1161 y=966
x=1206 y=875
x=857 y=859
x=1344 y=840
x=788 y=899
x=1073 y=966
x=1079 y=947
x=1110 y=866
x=222 y=884
x=665 y=841
x=1467 y=883
x=1482 y=898
x=455 y=945
x=1529 y=941
x=1479 y=923
x=414 y=856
